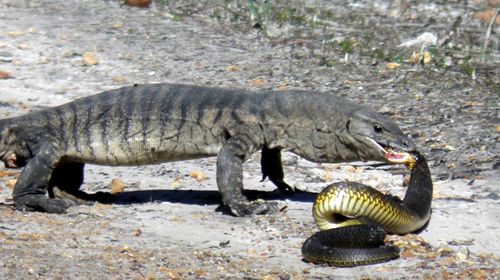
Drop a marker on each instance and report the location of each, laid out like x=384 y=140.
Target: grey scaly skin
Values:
x=148 y=124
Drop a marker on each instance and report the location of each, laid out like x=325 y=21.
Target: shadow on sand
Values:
x=197 y=197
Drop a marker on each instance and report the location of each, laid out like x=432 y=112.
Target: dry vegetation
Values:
x=443 y=91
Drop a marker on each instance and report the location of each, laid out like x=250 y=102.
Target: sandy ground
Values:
x=166 y=223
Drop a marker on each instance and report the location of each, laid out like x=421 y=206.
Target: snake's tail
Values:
x=356 y=236
x=317 y=253
x=352 y=257
x=349 y=246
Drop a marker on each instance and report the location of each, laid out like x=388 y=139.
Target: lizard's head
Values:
x=377 y=137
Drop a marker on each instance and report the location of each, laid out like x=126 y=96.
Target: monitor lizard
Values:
x=155 y=123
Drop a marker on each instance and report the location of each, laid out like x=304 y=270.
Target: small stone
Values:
x=257 y=82
x=138 y=3
x=14 y=33
x=197 y=175
x=444 y=251
x=282 y=87
x=6 y=57
x=124 y=249
x=448 y=261
x=327 y=176
x=119 y=79
x=493 y=196
x=392 y=65
x=350 y=169
x=385 y=110
x=449 y=147
x=89 y=58
x=233 y=68
x=176 y=182
x=461 y=256
x=117 y=25
x=5 y=75
x=137 y=232
x=23 y=47
x=117 y=186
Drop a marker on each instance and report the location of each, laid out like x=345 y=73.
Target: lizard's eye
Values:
x=378 y=128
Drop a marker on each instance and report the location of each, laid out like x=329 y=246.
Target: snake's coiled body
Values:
x=354 y=219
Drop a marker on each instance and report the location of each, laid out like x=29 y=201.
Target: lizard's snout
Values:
x=408 y=145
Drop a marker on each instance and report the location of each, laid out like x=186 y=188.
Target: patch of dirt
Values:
x=165 y=224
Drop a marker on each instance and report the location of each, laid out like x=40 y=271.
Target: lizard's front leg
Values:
x=31 y=187
x=230 y=177
x=272 y=168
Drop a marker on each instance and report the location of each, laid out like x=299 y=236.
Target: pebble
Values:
x=6 y=56
x=89 y=59
x=386 y=110
x=5 y=75
x=493 y=196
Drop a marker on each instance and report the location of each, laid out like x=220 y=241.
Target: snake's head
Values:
x=408 y=159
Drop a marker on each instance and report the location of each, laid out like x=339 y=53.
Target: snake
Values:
x=354 y=218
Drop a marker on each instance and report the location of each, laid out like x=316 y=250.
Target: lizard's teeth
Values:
x=376 y=144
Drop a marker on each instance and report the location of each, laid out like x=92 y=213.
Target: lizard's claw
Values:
x=257 y=207
x=82 y=198
x=285 y=188
x=38 y=202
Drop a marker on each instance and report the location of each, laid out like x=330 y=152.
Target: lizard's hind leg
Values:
x=273 y=168
x=65 y=183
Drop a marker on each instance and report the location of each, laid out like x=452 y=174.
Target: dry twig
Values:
x=488 y=34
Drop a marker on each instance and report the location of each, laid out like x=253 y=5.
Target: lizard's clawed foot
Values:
x=39 y=202
x=285 y=188
x=61 y=194
x=83 y=198
x=257 y=207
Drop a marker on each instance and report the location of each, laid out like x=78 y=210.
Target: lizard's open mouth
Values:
x=9 y=159
x=393 y=156
x=405 y=158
